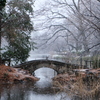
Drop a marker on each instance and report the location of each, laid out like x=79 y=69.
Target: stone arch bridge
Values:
x=58 y=66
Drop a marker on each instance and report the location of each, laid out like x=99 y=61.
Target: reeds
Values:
x=82 y=90
x=86 y=92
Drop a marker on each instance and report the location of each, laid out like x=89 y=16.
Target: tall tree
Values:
x=16 y=30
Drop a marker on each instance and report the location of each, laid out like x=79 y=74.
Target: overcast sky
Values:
x=38 y=4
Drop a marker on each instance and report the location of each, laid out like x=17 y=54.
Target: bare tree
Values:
x=77 y=21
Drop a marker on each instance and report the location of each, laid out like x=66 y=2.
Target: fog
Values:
x=66 y=26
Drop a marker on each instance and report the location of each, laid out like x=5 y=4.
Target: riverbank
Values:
x=9 y=75
x=82 y=84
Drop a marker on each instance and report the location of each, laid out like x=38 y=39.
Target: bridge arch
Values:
x=46 y=65
x=44 y=71
x=33 y=68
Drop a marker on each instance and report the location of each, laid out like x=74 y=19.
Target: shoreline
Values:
x=9 y=75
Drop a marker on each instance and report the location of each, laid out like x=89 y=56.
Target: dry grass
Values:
x=9 y=75
x=81 y=89
x=86 y=90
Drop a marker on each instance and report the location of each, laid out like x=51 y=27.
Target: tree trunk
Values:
x=2 y=5
x=0 y=33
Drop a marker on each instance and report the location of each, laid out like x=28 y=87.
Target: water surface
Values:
x=41 y=90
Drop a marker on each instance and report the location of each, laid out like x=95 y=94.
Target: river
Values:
x=41 y=90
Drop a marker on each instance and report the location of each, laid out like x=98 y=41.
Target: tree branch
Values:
x=94 y=46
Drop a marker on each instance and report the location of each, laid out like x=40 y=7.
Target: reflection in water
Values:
x=48 y=97
x=12 y=94
x=31 y=91
x=19 y=93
